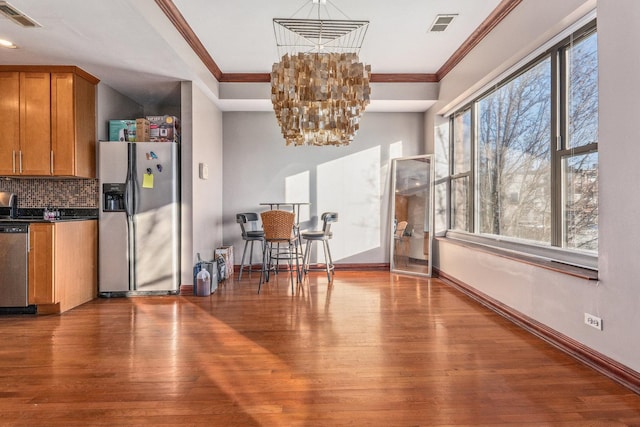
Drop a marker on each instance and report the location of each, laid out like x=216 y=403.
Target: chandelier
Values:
x=319 y=89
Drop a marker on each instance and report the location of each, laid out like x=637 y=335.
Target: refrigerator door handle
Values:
x=129 y=185
x=127 y=196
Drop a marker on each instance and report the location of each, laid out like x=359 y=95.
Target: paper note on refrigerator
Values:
x=147 y=180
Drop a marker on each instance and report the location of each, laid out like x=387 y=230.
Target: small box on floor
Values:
x=226 y=252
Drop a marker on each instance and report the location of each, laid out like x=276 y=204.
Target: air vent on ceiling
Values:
x=16 y=16
x=442 y=22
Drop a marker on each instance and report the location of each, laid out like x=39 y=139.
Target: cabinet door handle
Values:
x=20 y=161
x=51 y=162
x=13 y=161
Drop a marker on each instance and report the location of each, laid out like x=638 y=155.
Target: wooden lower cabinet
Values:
x=41 y=284
x=63 y=261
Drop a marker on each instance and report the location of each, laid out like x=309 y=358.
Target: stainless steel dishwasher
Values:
x=14 y=255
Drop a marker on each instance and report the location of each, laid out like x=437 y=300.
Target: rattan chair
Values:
x=323 y=236
x=280 y=244
x=400 y=241
x=250 y=233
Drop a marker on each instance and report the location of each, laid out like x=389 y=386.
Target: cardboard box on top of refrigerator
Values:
x=164 y=128
x=143 y=130
x=122 y=130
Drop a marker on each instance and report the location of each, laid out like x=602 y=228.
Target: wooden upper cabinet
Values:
x=73 y=125
x=63 y=133
x=49 y=121
x=35 y=124
x=10 y=119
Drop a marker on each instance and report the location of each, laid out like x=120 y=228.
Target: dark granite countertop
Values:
x=66 y=214
x=32 y=220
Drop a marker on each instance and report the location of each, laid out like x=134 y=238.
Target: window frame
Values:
x=561 y=98
x=468 y=174
x=557 y=53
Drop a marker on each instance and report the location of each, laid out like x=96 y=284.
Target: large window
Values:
x=514 y=162
x=524 y=159
x=579 y=156
x=461 y=174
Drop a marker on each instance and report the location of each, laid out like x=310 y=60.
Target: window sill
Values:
x=556 y=266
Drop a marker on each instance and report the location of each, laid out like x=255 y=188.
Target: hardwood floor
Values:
x=373 y=348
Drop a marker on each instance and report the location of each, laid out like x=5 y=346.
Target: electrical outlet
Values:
x=593 y=321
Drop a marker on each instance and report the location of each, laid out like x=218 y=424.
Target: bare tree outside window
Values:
x=514 y=161
x=461 y=158
x=460 y=203
x=524 y=156
x=462 y=142
x=581 y=201
x=582 y=82
x=580 y=169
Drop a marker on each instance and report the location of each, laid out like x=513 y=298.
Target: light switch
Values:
x=203 y=171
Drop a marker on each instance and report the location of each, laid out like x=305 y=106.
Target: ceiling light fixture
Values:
x=7 y=44
x=319 y=89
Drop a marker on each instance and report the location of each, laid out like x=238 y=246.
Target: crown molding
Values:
x=245 y=78
x=403 y=78
x=499 y=13
x=178 y=21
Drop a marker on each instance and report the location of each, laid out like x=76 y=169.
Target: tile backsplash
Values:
x=56 y=193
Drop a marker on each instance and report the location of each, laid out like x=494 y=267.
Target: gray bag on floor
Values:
x=221 y=265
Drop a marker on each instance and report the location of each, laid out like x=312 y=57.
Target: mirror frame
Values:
x=429 y=214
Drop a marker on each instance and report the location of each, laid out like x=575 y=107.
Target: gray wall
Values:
x=352 y=180
x=201 y=198
x=112 y=105
x=557 y=300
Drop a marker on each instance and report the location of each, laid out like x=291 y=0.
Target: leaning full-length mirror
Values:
x=411 y=217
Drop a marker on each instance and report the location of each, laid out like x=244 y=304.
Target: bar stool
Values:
x=323 y=236
x=280 y=243
x=249 y=225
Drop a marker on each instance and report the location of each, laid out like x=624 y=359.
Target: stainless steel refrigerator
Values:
x=139 y=238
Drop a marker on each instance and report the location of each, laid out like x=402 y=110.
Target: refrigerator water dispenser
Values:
x=113 y=197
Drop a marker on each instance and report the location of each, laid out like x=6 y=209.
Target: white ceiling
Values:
x=131 y=45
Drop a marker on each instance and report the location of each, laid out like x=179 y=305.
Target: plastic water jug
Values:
x=203 y=284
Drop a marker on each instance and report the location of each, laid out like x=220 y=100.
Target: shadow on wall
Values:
x=351 y=186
